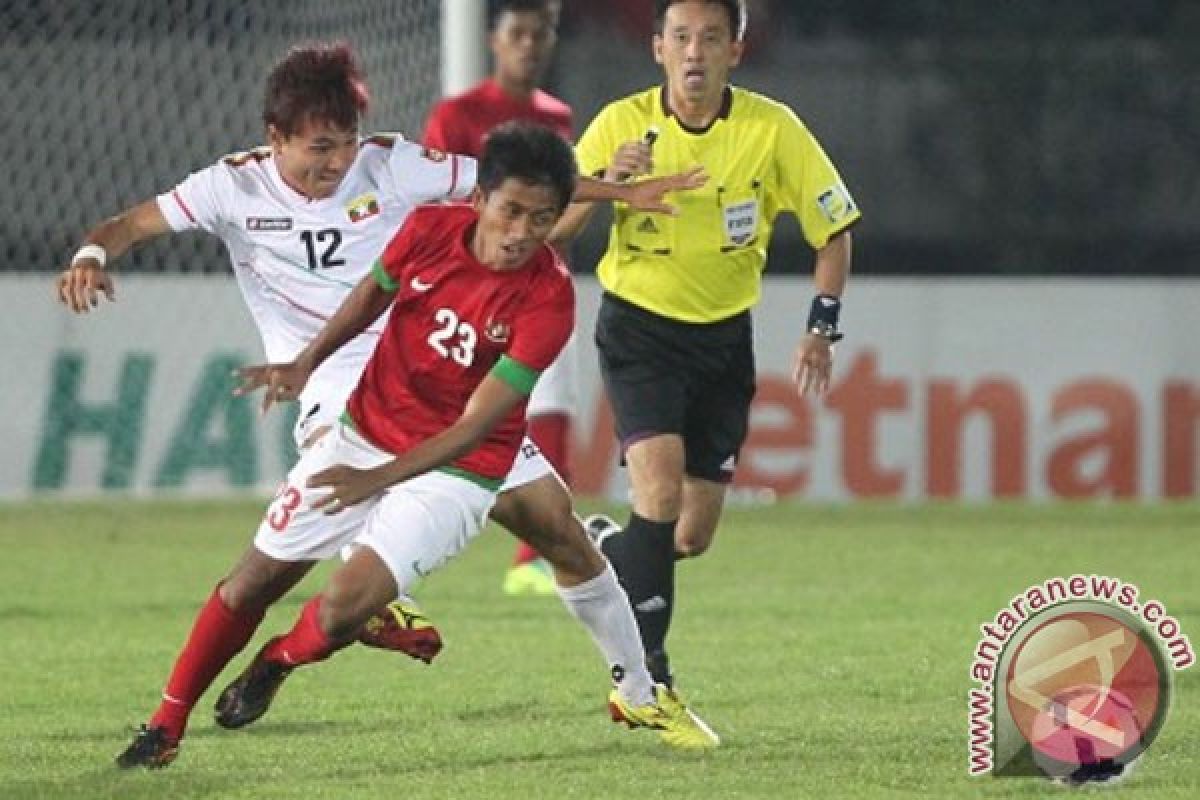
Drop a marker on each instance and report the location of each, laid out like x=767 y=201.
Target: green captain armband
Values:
x=516 y=374
x=382 y=278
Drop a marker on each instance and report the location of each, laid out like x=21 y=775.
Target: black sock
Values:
x=613 y=549
x=659 y=667
x=645 y=564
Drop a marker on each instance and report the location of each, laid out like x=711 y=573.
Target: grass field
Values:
x=829 y=646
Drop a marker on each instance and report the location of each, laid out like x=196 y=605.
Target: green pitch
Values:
x=829 y=647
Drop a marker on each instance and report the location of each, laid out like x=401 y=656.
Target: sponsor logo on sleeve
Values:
x=836 y=203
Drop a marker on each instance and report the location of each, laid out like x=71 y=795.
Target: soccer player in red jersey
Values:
x=522 y=39
x=479 y=306
x=319 y=176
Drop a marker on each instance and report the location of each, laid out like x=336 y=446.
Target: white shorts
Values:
x=414 y=526
x=555 y=390
x=528 y=466
x=321 y=405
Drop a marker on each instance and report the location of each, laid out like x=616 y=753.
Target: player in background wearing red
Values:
x=302 y=220
x=522 y=37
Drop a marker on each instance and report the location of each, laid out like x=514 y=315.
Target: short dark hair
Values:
x=736 y=9
x=500 y=7
x=316 y=81
x=531 y=153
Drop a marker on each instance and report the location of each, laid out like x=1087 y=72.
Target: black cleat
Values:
x=151 y=748
x=251 y=693
x=599 y=527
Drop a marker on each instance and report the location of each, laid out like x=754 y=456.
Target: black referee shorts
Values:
x=691 y=379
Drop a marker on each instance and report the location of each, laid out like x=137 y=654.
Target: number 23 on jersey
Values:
x=453 y=338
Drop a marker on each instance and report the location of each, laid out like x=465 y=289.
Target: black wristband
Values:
x=823 y=317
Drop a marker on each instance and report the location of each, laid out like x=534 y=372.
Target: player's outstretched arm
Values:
x=86 y=277
x=646 y=195
x=630 y=160
x=284 y=382
x=491 y=402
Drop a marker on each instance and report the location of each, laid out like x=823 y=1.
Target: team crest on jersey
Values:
x=433 y=154
x=268 y=223
x=836 y=203
x=362 y=207
x=497 y=332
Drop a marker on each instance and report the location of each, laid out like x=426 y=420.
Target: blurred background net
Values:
x=109 y=103
x=979 y=137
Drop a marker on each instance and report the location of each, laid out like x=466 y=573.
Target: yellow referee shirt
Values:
x=706 y=264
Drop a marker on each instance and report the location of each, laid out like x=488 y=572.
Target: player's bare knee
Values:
x=691 y=548
x=231 y=595
x=547 y=523
x=692 y=540
x=246 y=590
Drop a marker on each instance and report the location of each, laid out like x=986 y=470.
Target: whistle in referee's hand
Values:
x=648 y=139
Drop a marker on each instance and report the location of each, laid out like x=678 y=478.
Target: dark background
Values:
x=978 y=137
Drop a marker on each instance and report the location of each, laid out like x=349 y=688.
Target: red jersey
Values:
x=451 y=321
x=459 y=124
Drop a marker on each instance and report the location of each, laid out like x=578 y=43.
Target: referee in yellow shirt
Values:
x=674 y=329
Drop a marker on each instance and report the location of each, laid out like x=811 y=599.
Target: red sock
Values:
x=525 y=554
x=550 y=433
x=305 y=643
x=217 y=636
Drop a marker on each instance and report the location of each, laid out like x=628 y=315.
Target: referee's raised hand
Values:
x=631 y=160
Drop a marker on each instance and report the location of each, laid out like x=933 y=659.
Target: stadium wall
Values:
x=945 y=389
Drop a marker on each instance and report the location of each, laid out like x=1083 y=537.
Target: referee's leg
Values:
x=700 y=511
x=645 y=555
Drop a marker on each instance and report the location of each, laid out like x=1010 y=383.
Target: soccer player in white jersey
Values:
x=303 y=220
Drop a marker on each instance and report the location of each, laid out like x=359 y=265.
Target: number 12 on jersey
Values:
x=331 y=240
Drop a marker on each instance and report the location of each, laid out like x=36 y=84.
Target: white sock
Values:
x=601 y=605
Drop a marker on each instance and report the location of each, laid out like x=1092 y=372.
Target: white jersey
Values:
x=296 y=259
